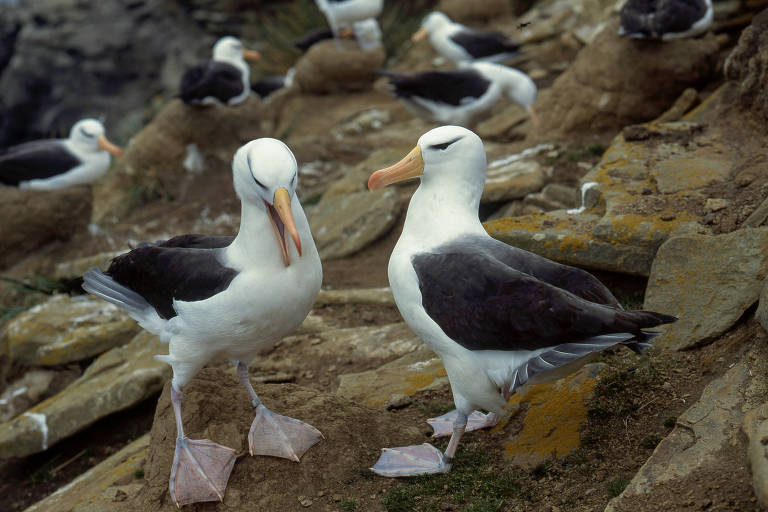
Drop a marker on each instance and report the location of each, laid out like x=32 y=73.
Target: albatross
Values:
x=665 y=19
x=465 y=95
x=52 y=164
x=224 y=79
x=210 y=296
x=497 y=316
x=344 y=13
x=461 y=44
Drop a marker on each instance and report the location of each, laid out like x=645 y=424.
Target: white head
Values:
x=449 y=158
x=432 y=22
x=88 y=134
x=231 y=49
x=517 y=86
x=265 y=174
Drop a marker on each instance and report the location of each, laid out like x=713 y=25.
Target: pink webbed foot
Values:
x=280 y=436
x=443 y=425
x=423 y=459
x=200 y=471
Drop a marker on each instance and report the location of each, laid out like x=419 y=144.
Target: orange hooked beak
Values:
x=409 y=167
x=108 y=146
x=420 y=34
x=281 y=218
x=252 y=55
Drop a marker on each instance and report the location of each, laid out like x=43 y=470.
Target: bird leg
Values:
x=423 y=459
x=273 y=434
x=201 y=468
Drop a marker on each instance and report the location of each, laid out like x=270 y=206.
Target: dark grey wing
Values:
x=268 y=85
x=216 y=79
x=449 y=87
x=575 y=280
x=673 y=16
x=312 y=38
x=164 y=274
x=637 y=17
x=483 y=304
x=34 y=161
x=198 y=241
x=482 y=43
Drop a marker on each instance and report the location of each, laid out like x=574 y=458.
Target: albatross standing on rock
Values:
x=461 y=44
x=224 y=79
x=51 y=164
x=665 y=19
x=464 y=95
x=497 y=316
x=222 y=296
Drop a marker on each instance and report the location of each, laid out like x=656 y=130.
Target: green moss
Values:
x=617 y=486
x=649 y=442
x=472 y=485
x=138 y=474
x=434 y=408
x=670 y=422
x=348 y=505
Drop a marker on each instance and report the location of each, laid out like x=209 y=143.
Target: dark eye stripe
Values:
x=258 y=182
x=444 y=145
x=82 y=130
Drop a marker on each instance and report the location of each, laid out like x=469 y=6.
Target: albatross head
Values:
x=449 y=156
x=89 y=134
x=265 y=173
x=432 y=22
x=230 y=48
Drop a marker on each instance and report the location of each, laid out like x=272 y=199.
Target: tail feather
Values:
x=103 y=286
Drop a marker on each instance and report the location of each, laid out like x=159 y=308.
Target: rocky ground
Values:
x=658 y=185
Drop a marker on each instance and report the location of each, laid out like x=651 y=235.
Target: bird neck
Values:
x=439 y=212
x=255 y=243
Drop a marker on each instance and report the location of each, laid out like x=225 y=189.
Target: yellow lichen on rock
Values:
x=557 y=411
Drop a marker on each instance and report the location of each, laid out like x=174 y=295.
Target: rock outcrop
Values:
x=747 y=65
x=32 y=219
x=328 y=68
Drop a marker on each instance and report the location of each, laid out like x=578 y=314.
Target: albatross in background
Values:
x=223 y=79
x=461 y=44
x=59 y=163
x=210 y=296
x=665 y=19
x=464 y=95
x=344 y=13
x=497 y=316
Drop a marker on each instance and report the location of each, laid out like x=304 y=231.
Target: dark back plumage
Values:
x=268 y=85
x=183 y=268
x=483 y=303
x=450 y=87
x=219 y=80
x=35 y=160
x=654 y=18
x=482 y=43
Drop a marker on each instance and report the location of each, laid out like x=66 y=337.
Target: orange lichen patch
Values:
x=641 y=229
x=418 y=382
x=553 y=422
x=571 y=244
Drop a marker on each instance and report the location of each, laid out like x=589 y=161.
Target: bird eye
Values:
x=82 y=130
x=444 y=145
x=260 y=184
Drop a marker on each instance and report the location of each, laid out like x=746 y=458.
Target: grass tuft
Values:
x=617 y=486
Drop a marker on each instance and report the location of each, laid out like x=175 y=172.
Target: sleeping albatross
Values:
x=496 y=315
x=223 y=79
x=465 y=95
x=59 y=163
x=665 y=19
x=461 y=44
x=210 y=296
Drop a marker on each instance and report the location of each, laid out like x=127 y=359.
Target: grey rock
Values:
x=755 y=426
x=747 y=65
x=757 y=217
x=708 y=282
x=343 y=225
x=761 y=315
x=64 y=329
x=116 y=380
x=513 y=181
x=711 y=425
x=381 y=296
x=32 y=388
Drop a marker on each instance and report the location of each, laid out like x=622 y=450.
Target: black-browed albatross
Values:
x=496 y=315
x=51 y=164
x=463 y=96
x=665 y=19
x=222 y=296
x=224 y=79
x=461 y=44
